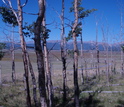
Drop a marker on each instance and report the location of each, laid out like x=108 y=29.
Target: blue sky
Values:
x=107 y=15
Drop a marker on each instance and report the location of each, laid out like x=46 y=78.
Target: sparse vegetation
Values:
x=63 y=78
x=103 y=95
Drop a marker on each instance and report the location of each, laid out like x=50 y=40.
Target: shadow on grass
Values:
x=85 y=101
x=90 y=101
x=120 y=103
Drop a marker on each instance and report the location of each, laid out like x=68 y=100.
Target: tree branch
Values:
x=9 y=5
x=25 y=3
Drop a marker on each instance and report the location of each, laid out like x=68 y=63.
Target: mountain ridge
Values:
x=87 y=45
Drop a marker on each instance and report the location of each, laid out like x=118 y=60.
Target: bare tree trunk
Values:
x=25 y=56
x=48 y=74
x=75 y=63
x=24 y=52
x=13 y=57
x=13 y=68
x=27 y=62
x=41 y=71
x=97 y=51
x=106 y=54
x=82 y=58
x=112 y=61
x=86 y=72
x=108 y=74
x=33 y=82
x=63 y=54
x=39 y=53
x=47 y=67
x=97 y=63
x=75 y=67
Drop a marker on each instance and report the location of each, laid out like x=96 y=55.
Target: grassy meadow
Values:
x=104 y=93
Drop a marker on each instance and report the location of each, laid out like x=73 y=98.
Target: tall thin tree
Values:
x=79 y=13
x=13 y=56
x=24 y=50
x=6 y=14
x=39 y=53
x=45 y=35
x=97 y=52
x=63 y=53
x=19 y=18
x=75 y=63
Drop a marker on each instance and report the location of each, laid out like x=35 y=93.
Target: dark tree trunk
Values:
x=98 y=68
x=75 y=67
x=63 y=54
x=39 y=54
x=13 y=68
x=41 y=71
x=75 y=63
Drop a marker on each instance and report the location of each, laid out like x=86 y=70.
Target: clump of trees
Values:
x=40 y=35
x=38 y=28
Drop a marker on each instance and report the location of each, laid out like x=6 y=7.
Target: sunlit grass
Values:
x=14 y=95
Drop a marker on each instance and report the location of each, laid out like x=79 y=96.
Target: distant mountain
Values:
x=55 y=45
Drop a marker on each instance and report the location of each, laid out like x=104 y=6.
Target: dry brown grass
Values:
x=56 y=64
x=56 y=69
